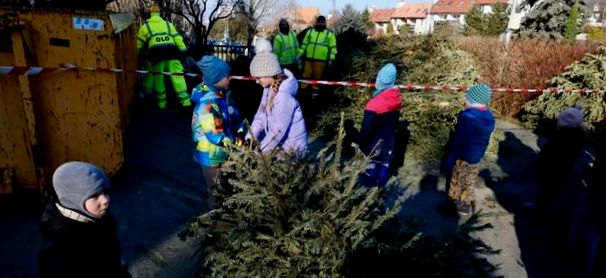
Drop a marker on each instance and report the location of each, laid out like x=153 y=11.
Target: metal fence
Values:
x=230 y=52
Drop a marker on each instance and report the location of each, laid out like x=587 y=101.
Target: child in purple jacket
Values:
x=278 y=123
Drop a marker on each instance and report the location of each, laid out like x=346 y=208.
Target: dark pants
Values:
x=211 y=178
x=584 y=239
x=377 y=175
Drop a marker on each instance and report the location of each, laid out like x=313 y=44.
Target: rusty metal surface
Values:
x=79 y=115
x=6 y=180
x=15 y=147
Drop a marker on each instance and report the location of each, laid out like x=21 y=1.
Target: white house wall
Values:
x=381 y=27
x=424 y=26
x=397 y=23
x=486 y=9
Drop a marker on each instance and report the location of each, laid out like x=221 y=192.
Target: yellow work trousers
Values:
x=315 y=70
x=178 y=82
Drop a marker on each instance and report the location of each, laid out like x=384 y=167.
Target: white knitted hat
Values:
x=265 y=63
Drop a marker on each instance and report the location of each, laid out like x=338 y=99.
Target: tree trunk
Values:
x=199 y=48
x=250 y=36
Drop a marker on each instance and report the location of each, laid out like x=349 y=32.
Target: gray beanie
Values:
x=76 y=181
x=265 y=63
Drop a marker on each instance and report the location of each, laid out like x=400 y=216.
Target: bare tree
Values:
x=253 y=12
x=195 y=12
x=139 y=7
x=197 y=16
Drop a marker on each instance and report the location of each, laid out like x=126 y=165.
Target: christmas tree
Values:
x=589 y=73
x=280 y=216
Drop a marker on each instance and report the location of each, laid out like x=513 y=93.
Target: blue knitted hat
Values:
x=386 y=78
x=480 y=94
x=213 y=69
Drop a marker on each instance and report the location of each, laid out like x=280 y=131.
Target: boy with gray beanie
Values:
x=79 y=231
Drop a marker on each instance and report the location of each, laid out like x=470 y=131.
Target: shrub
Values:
x=420 y=60
x=571 y=27
x=590 y=73
x=595 y=33
x=280 y=216
x=550 y=19
x=352 y=19
x=492 y=24
x=525 y=64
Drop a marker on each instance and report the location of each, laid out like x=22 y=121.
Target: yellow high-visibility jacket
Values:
x=160 y=39
x=321 y=46
x=286 y=48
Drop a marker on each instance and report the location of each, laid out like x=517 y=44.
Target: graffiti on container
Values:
x=84 y=23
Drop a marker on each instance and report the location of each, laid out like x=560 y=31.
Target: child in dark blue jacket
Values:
x=378 y=133
x=472 y=133
x=79 y=232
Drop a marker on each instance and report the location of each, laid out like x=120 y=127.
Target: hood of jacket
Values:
x=284 y=125
x=290 y=85
x=204 y=93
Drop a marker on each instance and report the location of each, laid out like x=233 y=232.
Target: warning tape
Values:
x=31 y=71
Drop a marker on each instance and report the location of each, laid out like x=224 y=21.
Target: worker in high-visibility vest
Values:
x=286 y=47
x=319 y=49
x=163 y=46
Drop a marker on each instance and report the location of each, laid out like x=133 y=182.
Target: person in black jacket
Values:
x=377 y=135
x=557 y=158
x=597 y=205
x=79 y=231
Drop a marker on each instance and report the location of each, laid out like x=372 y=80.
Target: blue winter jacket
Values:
x=215 y=124
x=471 y=137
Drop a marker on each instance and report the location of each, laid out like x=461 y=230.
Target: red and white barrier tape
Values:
x=30 y=71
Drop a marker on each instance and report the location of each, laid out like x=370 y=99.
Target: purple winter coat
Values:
x=283 y=126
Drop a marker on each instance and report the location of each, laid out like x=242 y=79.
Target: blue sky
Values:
x=326 y=5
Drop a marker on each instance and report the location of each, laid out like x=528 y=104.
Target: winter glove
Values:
x=225 y=142
x=239 y=142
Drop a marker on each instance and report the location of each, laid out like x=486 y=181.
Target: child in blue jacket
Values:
x=216 y=122
x=472 y=133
